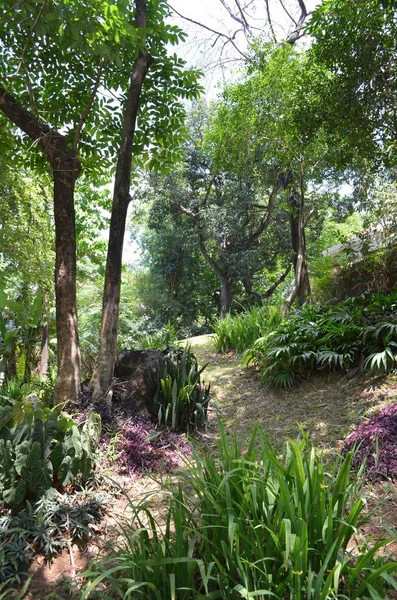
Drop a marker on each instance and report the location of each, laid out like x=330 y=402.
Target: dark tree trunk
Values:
x=103 y=371
x=66 y=169
x=226 y=294
x=68 y=354
x=42 y=368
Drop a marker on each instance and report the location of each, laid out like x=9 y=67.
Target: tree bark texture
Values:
x=66 y=169
x=103 y=371
x=226 y=294
x=301 y=289
x=67 y=385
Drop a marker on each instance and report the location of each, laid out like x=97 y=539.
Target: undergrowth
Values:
x=239 y=332
x=359 y=332
x=250 y=525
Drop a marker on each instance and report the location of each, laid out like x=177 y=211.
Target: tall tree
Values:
x=70 y=62
x=356 y=46
x=231 y=212
x=149 y=51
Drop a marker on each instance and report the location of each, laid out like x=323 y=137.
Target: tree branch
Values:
x=295 y=35
x=87 y=109
x=52 y=143
x=268 y=217
x=270 y=20
x=214 y=31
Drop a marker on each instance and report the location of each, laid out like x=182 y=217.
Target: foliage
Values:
x=356 y=48
x=239 y=332
x=26 y=241
x=250 y=525
x=42 y=448
x=374 y=443
x=359 y=331
x=136 y=446
x=46 y=528
x=180 y=401
x=174 y=283
x=78 y=49
x=20 y=319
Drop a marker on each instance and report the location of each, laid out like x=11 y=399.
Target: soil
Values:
x=327 y=408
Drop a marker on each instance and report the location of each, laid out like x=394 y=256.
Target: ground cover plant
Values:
x=375 y=443
x=137 y=447
x=46 y=528
x=43 y=447
x=359 y=332
x=250 y=524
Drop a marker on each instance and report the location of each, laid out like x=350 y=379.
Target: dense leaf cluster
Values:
x=180 y=400
x=41 y=448
x=256 y=525
x=360 y=331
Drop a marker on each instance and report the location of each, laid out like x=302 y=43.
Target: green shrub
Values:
x=239 y=332
x=42 y=448
x=179 y=401
x=249 y=525
x=359 y=331
x=46 y=528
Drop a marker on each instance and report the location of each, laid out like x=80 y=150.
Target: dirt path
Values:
x=327 y=408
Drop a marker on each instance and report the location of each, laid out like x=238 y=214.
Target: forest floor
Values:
x=328 y=408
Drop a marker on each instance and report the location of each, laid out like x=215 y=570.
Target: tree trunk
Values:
x=66 y=169
x=226 y=294
x=103 y=372
x=67 y=385
x=301 y=289
x=104 y=367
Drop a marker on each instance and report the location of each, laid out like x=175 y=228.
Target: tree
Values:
x=265 y=118
x=71 y=61
x=355 y=45
x=177 y=85
x=225 y=209
x=177 y=285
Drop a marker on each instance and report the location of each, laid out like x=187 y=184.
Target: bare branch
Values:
x=295 y=35
x=287 y=13
x=270 y=21
x=214 y=31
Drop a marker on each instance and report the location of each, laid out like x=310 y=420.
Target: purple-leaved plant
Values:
x=376 y=442
x=142 y=447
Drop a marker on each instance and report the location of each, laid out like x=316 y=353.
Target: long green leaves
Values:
x=179 y=401
x=250 y=524
x=358 y=331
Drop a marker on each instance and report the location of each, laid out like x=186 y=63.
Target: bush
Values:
x=179 y=401
x=239 y=332
x=47 y=528
x=358 y=332
x=42 y=448
x=250 y=525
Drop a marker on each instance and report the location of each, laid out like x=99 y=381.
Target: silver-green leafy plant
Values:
x=42 y=448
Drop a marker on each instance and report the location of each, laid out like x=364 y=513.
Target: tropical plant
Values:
x=46 y=528
x=250 y=524
x=42 y=448
x=359 y=331
x=180 y=400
